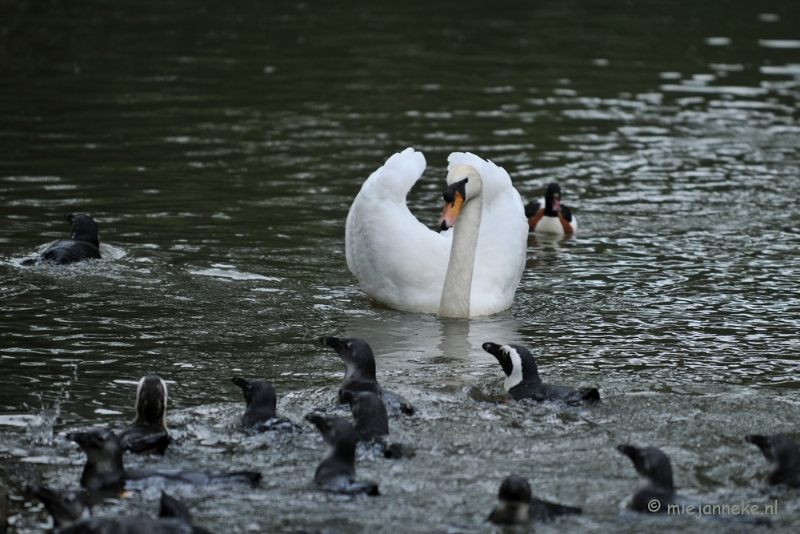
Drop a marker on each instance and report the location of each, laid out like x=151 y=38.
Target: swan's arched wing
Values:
x=502 y=240
x=396 y=259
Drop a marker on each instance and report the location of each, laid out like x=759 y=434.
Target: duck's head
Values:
x=463 y=183
x=552 y=196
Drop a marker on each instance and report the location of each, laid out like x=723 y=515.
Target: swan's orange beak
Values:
x=450 y=211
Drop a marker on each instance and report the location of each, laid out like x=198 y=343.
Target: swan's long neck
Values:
x=458 y=280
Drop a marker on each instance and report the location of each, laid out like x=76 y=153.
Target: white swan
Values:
x=472 y=270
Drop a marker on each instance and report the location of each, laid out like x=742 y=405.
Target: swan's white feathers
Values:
x=402 y=263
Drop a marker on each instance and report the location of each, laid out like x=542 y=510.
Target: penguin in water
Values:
x=259 y=416
x=554 y=217
x=359 y=372
x=64 y=506
x=782 y=453
x=172 y=508
x=83 y=243
x=337 y=472
x=104 y=469
x=523 y=382
x=148 y=433
x=656 y=491
x=517 y=505
x=371 y=422
x=71 y=515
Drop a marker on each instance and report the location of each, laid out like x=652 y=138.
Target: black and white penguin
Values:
x=553 y=217
x=523 y=382
x=148 y=433
x=105 y=471
x=83 y=243
x=259 y=416
x=337 y=472
x=783 y=455
x=517 y=505
x=359 y=375
x=64 y=506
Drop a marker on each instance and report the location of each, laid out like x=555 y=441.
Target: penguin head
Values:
x=356 y=354
x=333 y=429
x=172 y=507
x=151 y=403
x=517 y=362
x=515 y=489
x=652 y=465
x=65 y=506
x=83 y=228
x=259 y=392
x=99 y=444
x=780 y=450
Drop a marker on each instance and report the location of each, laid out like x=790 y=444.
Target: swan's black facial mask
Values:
x=450 y=191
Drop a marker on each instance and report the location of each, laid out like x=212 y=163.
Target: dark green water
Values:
x=219 y=147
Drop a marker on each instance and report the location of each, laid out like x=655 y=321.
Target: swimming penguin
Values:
x=656 y=480
x=83 y=243
x=259 y=416
x=554 y=217
x=518 y=506
x=360 y=372
x=371 y=422
x=337 y=472
x=523 y=382
x=148 y=433
x=172 y=508
x=65 y=506
x=782 y=453
x=104 y=470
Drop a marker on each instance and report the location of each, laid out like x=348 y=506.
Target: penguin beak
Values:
x=333 y=342
x=69 y=217
x=492 y=348
x=81 y=438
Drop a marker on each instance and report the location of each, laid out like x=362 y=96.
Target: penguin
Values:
x=64 y=506
x=360 y=372
x=337 y=472
x=371 y=422
x=72 y=516
x=172 y=508
x=554 y=217
x=104 y=469
x=83 y=243
x=148 y=433
x=782 y=453
x=259 y=416
x=518 y=506
x=656 y=491
x=523 y=382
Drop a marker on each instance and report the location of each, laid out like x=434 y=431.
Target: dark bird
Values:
x=523 y=382
x=783 y=455
x=259 y=416
x=337 y=472
x=148 y=433
x=83 y=243
x=656 y=491
x=71 y=515
x=371 y=422
x=104 y=470
x=359 y=372
x=554 y=217
x=518 y=506
x=64 y=506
